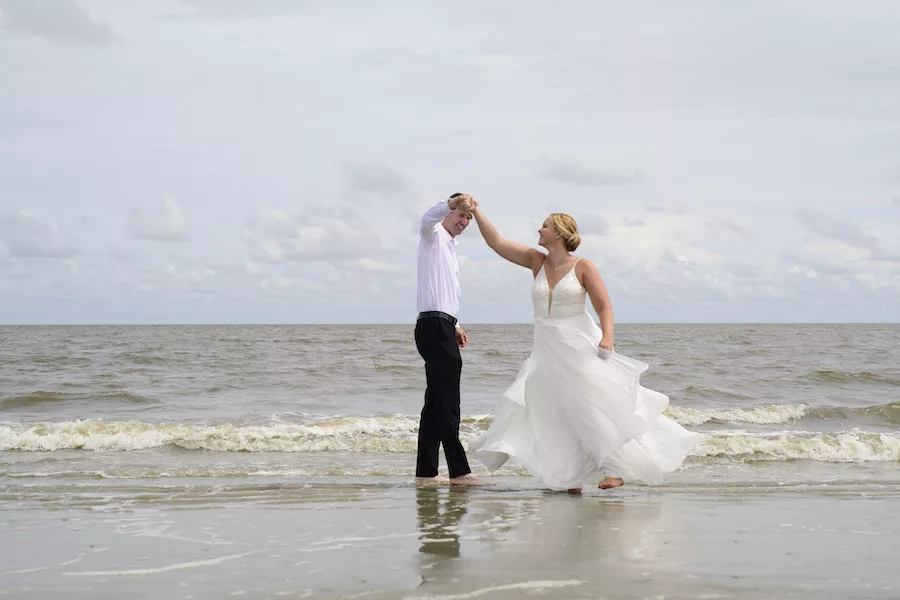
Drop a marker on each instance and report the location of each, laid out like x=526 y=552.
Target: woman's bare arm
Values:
x=596 y=290
x=511 y=251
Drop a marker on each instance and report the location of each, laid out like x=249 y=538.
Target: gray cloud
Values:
x=60 y=20
x=726 y=225
x=373 y=177
x=721 y=90
x=29 y=236
x=276 y=236
x=896 y=201
x=744 y=271
x=892 y=174
x=575 y=173
x=240 y=9
x=164 y=222
x=884 y=254
x=592 y=224
x=843 y=231
x=821 y=263
x=120 y=253
x=673 y=210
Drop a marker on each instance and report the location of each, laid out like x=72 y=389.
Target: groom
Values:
x=439 y=338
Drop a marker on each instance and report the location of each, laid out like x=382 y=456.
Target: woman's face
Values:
x=547 y=233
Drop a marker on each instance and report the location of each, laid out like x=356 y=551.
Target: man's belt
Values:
x=436 y=314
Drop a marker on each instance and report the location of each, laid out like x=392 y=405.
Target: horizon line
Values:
x=407 y=323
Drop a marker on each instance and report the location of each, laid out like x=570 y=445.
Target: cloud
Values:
x=896 y=201
x=376 y=266
x=842 y=231
x=744 y=271
x=581 y=175
x=61 y=20
x=119 y=253
x=849 y=234
x=883 y=254
x=822 y=262
x=726 y=225
x=634 y=222
x=373 y=177
x=164 y=223
x=29 y=236
x=892 y=174
x=243 y=9
x=673 y=210
x=281 y=285
x=592 y=224
x=195 y=279
x=276 y=236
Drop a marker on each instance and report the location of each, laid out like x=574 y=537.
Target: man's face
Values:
x=456 y=222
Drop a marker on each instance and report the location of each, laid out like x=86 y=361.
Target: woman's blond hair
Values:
x=566 y=226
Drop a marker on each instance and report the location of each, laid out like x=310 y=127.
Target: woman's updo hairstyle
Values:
x=566 y=226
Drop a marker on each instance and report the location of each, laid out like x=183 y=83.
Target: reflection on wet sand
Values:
x=462 y=531
x=438 y=514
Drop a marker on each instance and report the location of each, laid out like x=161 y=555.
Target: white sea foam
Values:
x=166 y=569
x=762 y=415
x=386 y=435
x=846 y=447
x=525 y=585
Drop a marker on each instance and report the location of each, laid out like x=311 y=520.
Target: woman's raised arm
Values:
x=513 y=252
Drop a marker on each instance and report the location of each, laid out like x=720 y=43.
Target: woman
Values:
x=576 y=409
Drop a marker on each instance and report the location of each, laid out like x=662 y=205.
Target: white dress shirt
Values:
x=438 y=269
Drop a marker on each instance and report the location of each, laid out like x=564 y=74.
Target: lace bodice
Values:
x=565 y=300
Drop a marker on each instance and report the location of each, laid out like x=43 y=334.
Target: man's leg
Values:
x=429 y=437
x=448 y=371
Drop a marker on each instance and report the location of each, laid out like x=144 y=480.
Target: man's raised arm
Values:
x=433 y=216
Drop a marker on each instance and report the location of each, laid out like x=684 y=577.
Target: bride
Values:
x=576 y=410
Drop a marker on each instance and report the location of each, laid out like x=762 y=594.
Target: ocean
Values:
x=133 y=432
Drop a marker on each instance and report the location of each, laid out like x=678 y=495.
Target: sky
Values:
x=227 y=161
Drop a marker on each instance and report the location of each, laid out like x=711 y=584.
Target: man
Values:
x=439 y=338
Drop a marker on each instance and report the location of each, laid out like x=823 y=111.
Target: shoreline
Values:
x=388 y=538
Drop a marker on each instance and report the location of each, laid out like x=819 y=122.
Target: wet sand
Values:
x=378 y=538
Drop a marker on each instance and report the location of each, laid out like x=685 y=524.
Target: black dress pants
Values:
x=439 y=424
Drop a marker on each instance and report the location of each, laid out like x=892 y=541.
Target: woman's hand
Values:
x=606 y=343
x=463 y=203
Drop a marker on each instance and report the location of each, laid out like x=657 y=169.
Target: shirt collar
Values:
x=453 y=240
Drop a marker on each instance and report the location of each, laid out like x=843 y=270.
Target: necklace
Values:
x=555 y=269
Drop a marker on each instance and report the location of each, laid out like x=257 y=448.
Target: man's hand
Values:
x=463 y=203
x=468 y=204
x=462 y=340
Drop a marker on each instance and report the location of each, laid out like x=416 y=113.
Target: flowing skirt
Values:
x=576 y=412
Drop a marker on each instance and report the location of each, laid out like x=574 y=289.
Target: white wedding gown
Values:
x=576 y=412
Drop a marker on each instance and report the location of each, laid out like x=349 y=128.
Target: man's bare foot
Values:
x=574 y=490
x=469 y=480
x=611 y=482
x=436 y=480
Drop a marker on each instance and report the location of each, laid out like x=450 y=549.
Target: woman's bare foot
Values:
x=611 y=482
x=469 y=480
x=436 y=480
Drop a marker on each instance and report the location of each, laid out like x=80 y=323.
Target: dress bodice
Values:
x=565 y=300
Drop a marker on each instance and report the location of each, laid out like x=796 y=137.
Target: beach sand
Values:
x=388 y=538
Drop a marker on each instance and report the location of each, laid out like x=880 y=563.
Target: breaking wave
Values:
x=397 y=434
